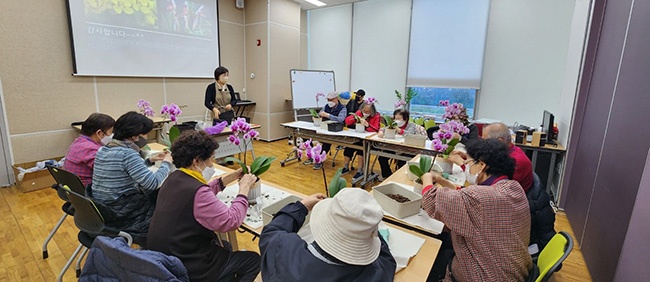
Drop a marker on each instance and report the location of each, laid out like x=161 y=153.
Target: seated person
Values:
x=370 y=119
x=96 y=130
x=347 y=244
x=188 y=214
x=488 y=221
x=523 y=167
x=122 y=183
x=465 y=139
x=401 y=117
x=334 y=111
x=353 y=106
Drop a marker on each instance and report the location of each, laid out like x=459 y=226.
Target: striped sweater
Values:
x=119 y=170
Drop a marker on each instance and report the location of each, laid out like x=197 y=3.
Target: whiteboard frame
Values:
x=291 y=83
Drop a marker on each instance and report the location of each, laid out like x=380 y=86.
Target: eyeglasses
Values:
x=469 y=162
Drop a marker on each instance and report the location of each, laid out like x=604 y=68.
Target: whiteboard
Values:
x=306 y=83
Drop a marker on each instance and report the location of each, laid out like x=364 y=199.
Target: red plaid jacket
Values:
x=490 y=229
x=80 y=158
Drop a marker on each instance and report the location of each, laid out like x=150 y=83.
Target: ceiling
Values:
x=308 y=6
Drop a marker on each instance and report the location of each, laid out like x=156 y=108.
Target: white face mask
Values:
x=366 y=115
x=208 y=172
x=331 y=104
x=400 y=123
x=107 y=139
x=468 y=175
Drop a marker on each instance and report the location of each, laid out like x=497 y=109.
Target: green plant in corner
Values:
x=405 y=99
x=424 y=167
x=336 y=184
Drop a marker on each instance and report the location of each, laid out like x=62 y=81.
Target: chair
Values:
x=551 y=258
x=90 y=222
x=62 y=177
x=429 y=123
x=419 y=121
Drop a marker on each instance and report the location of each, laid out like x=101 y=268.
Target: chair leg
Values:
x=69 y=262
x=49 y=237
x=81 y=257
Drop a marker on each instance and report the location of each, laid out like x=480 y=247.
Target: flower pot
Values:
x=417 y=187
x=389 y=133
x=255 y=192
x=445 y=165
x=360 y=128
x=317 y=121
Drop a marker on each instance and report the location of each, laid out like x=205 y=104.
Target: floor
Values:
x=29 y=217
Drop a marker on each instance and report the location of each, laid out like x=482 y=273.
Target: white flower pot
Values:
x=445 y=165
x=360 y=128
x=389 y=133
x=317 y=121
x=417 y=187
x=255 y=192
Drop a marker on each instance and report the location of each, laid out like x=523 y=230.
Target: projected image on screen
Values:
x=161 y=38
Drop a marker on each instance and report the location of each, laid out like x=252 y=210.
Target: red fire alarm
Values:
x=259 y=42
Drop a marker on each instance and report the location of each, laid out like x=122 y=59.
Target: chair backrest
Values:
x=66 y=178
x=429 y=123
x=419 y=121
x=553 y=255
x=87 y=217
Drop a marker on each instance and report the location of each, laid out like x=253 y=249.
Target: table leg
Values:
x=232 y=239
x=551 y=173
x=366 y=159
x=534 y=160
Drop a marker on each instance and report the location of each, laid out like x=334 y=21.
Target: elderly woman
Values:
x=488 y=221
x=122 y=181
x=188 y=214
x=401 y=117
x=370 y=118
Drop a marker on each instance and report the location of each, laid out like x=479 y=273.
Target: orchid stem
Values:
x=327 y=192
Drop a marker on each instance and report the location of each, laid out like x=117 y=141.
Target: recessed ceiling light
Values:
x=316 y=2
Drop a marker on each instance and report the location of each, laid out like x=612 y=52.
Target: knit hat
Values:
x=346 y=226
x=344 y=97
x=332 y=95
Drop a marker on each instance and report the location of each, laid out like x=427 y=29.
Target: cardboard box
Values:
x=399 y=210
x=33 y=180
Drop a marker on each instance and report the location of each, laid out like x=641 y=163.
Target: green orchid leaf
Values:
x=416 y=170
x=264 y=163
x=425 y=163
x=174 y=132
x=236 y=160
x=313 y=113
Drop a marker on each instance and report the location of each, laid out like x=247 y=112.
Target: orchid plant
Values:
x=171 y=111
x=145 y=108
x=242 y=136
x=405 y=100
x=444 y=140
x=316 y=154
x=313 y=112
x=389 y=122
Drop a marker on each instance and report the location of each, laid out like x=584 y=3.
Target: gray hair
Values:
x=499 y=131
x=373 y=110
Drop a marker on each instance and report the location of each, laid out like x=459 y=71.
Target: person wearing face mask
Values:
x=488 y=219
x=353 y=106
x=334 y=111
x=96 y=130
x=188 y=214
x=220 y=97
x=370 y=120
x=122 y=182
x=401 y=117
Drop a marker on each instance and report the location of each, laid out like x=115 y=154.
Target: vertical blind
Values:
x=447 y=43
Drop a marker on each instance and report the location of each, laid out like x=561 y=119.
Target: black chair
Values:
x=62 y=177
x=90 y=222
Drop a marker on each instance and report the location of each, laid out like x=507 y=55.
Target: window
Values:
x=427 y=100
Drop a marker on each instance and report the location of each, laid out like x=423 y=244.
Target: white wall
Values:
x=330 y=42
x=380 y=49
x=525 y=60
x=579 y=22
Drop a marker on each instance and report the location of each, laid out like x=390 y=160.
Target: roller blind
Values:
x=447 y=43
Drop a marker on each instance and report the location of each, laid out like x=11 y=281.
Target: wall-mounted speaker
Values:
x=239 y=4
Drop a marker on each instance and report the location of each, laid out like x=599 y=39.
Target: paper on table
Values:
x=253 y=218
x=421 y=219
x=403 y=246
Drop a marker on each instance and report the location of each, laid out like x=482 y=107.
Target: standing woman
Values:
x=220 y=97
